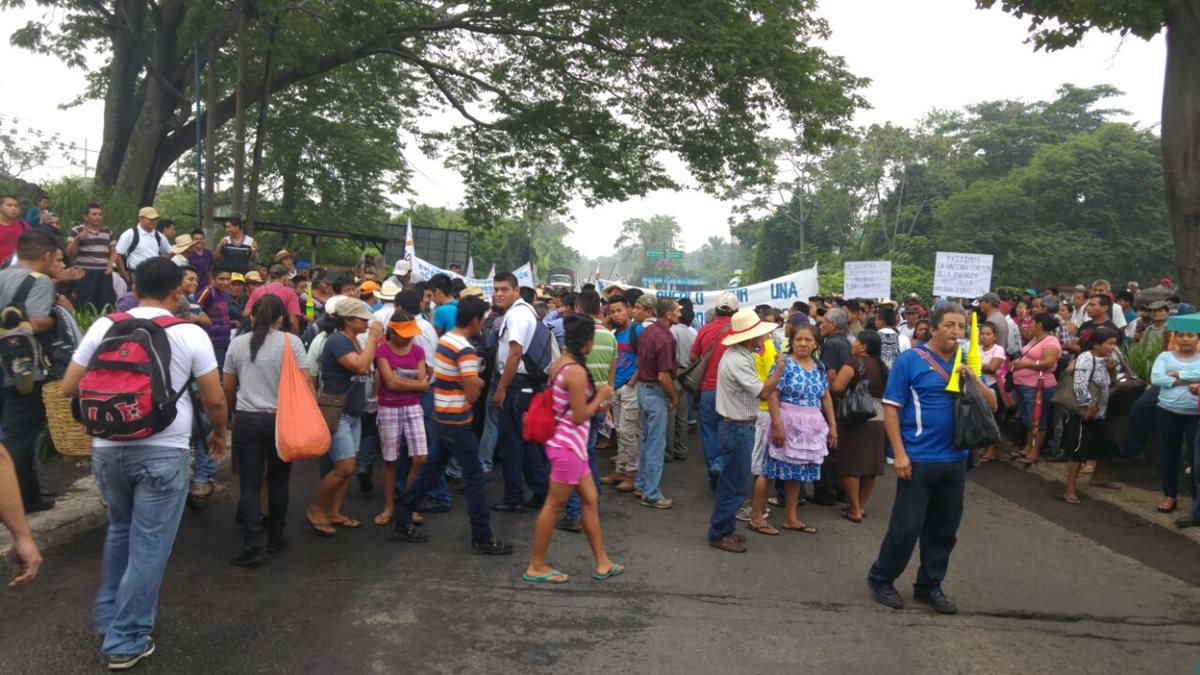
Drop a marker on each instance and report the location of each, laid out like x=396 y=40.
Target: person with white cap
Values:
x=401 y=272
x=143 y=241
x=738 y=392
x=708 y=341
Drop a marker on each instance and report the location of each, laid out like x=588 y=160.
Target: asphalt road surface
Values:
x=1043 y=587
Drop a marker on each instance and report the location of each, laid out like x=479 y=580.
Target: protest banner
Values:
x=962 y=275
x=867 y=279
x=779 y=292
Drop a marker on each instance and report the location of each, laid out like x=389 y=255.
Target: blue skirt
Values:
x=775 y=469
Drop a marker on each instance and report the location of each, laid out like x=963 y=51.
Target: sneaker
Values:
x=249 y=557
x=409 y=533
x=660 y=503
x=493 y=547
x=886 y=594
x=569 y=524
x=127 y=661
x=277 y=545
x=729 y=543
x=939 y=601
x=430 y=506
x=743 y=513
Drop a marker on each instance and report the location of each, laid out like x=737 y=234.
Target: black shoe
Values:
x=886 y=594
x=680 y=458
x=277 y=545
x=507 y=508
x=365 y=485
x=43 y=504
x=535 y=502
x=197 y=504
x=249 y=557
x=47 y=492
x=430 y=506
x=493 y=547
x=409 y=533
x=127 y=661
x=569 y=524
x=1182 y=523
x=939 y=601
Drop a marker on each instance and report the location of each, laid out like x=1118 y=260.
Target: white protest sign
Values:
x=962 y=275
x=867 y=279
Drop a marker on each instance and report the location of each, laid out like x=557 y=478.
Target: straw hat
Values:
x=182 y=243
x=284 y=253
x=471 y=292
x=388 y=291
x=746 y=325
x=254 y=277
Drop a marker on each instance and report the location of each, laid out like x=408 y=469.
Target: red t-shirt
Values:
x=704 y=339
x=290 y=301
x=9 y=235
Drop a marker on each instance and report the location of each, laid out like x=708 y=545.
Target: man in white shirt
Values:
x=142 y=242
x=523 y=461
x=147 y=477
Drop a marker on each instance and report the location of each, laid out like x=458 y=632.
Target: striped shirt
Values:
x=567 y=434
x=455 y=361
x=604 y=350
x=738 y=385
x=94 y=248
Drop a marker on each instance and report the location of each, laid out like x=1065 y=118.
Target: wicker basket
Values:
x=66 y=433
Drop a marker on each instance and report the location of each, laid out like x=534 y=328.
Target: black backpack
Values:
x=21 y=359
x=137 y=238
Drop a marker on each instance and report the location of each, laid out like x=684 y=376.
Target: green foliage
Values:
x=906 y=279
x=1141 y=355
x=1057 y=24
x=85 y=316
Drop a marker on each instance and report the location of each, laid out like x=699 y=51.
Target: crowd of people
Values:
x=426 y=384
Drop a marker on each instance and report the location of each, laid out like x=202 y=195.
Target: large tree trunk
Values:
x=210 y=137
x=1181 y=141
x=120 y=108
x=239 y=115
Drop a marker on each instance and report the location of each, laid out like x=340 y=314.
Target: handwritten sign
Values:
x=962 y=275
x=867 y=279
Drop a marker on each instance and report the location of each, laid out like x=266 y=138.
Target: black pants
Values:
x=95 y=288
x=928 y=510
x=23 y=420
x=254 y=443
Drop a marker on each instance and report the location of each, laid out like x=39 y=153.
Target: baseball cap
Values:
x=149 y=212
x=727 y=301
x=352 y=308
x=254 y=276
x=368 y=287
x=1158 y=304
x=402 y=267
x=647 y=301
x=236 y=277
x=990 y=297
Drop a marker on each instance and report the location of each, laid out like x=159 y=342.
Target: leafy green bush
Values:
x=906 y=279
x=1142 y=354
x=85 y=316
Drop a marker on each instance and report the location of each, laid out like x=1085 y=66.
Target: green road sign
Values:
x=654 y=253
x=675 y=255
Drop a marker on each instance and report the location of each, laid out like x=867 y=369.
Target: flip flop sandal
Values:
x=803 y=528
x=1167 y=505
x=615 y=570
x=382 y=519
x=316 y=529
x=348 y=523
x=547 y=578
x=1067 y=499
x=765 y=528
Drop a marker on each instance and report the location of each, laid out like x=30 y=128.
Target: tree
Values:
x=638 y=235
x=1058 y=24
x=554 y=99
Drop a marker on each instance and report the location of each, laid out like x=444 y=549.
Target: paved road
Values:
x=1044 y=588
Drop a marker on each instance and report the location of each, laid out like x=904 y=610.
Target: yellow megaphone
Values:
x=953 y=385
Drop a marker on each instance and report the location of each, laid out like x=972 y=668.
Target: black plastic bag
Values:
x=974 y=424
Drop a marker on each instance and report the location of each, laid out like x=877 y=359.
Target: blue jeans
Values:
x=454 y=441
x=710 y=421
x=368 y=446
x=736 y=440
x=491 y=433
x=440 y=492
x=573 y=503
x=928 y=509
x=1174 y=429
x=203 y=466
x=653 y=411
x=523 y=462
x=145 y=488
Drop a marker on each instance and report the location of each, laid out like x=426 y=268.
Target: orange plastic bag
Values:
x=300 y=431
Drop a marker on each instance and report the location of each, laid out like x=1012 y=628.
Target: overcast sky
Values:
x=919 y=54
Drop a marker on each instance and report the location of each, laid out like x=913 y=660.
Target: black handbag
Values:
x=857 y=405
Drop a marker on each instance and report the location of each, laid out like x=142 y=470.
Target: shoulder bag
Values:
x=857 y=405
x=693 y=375
x=1064 y=392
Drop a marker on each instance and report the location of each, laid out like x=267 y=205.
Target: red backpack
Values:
x=126 y=393
x=539 y=422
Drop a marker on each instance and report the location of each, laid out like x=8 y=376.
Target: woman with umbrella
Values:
x=1033 y=374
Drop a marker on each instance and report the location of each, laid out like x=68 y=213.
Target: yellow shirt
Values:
x=764 y=359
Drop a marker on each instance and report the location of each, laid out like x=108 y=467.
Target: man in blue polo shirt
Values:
x=625 y=402
x=919 y=418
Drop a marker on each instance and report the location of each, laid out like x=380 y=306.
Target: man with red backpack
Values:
x=140 y=453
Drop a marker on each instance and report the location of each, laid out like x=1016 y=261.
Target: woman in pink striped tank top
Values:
x=576 y=400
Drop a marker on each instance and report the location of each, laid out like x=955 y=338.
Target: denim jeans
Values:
x=95 y=288
x=204 y=468
x=710 y=422
x=524 y=462
x=573 y=502
x=23 y=419
x=440 y=492
x=677 y=426
x=928 y=508
x=1140 y=424
x=1194 y=512
x=1174 y=430
x=491 y=433
x=145 y=488
x=254 y=445
x=368 y=447
x=736 y=439
x=653 y=411
x=454 y=441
